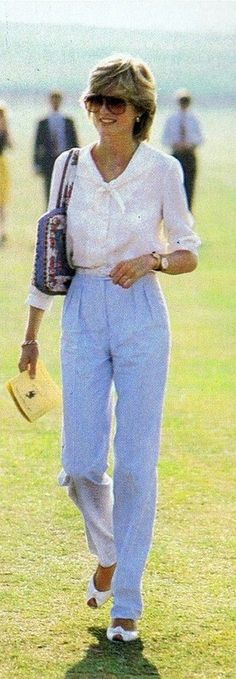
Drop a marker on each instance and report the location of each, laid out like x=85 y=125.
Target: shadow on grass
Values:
x=110 y=660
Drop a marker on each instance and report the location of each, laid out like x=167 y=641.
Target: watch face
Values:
x=164 y=263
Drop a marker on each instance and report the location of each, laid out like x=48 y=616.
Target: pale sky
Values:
x=173 y=15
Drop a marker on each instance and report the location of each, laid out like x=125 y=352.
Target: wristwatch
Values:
x=157 y=256
x=163 y=262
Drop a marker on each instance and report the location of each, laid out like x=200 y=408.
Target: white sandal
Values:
x=93 y=593
x=120 y=634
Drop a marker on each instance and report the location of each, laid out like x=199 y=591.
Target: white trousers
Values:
x=114 y=336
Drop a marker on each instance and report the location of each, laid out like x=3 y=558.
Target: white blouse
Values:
x=142 y=210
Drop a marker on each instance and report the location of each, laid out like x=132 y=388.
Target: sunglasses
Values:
x=116 y=105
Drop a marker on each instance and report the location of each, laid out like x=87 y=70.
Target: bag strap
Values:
x=65 y=188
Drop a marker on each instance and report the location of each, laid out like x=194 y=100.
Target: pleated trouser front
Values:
x=114 y=336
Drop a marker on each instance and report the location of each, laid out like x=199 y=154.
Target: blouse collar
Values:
x=134 y=167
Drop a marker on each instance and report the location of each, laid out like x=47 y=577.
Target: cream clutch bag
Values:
x=34 y=397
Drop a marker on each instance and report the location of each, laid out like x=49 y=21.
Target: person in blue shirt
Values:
x=183 y=133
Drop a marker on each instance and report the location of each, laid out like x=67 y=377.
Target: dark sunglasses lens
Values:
x=115 y=104
x=93 y=102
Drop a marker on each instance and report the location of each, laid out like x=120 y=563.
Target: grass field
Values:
x=187 y=630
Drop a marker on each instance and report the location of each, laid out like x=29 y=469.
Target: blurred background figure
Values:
x=54 y=134
x=183 y=133
x=5 y=142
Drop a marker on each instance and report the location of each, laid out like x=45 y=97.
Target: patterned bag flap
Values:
x=52 y=270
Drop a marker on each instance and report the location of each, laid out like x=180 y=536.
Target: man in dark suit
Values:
x=54 y=134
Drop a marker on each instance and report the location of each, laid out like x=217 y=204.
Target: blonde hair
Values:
x=132 y=79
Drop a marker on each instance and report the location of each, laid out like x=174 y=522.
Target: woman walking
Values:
x=5 y=142
x=115 y=328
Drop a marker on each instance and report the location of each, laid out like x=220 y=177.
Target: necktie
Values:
x=182 y=131
x=54 y=138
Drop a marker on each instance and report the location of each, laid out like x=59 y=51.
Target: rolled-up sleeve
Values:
x=178 y=221
x=35 y=297
x=39 y=299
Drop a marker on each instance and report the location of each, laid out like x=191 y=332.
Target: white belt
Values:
x=101 y=271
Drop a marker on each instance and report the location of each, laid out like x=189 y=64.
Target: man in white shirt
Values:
x=182 y=132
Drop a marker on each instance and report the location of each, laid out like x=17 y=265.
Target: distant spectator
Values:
x=5 y=142
x=182 y=132
x=55 y=133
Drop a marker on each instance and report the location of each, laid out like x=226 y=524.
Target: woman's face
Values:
x=110 y=124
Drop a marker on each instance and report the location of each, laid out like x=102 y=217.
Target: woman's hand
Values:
x=30 y=350
x=130 y=270
x=29 y=357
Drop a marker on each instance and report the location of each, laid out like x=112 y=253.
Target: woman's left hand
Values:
x=130 y=270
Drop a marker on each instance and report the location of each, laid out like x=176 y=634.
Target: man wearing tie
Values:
x=182 y=132
x=54 y=134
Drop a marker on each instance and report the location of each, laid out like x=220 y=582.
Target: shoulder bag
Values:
x=53 y=273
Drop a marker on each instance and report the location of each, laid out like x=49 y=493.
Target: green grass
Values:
x=187 y=630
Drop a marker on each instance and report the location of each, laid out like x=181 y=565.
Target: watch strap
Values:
x=157 y=256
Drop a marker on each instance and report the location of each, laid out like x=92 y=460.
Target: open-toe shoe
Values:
x=120 y=634
x=93 y=593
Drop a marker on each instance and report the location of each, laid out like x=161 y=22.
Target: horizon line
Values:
x=129 y=29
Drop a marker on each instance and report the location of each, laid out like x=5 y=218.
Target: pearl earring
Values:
x=138 y=119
